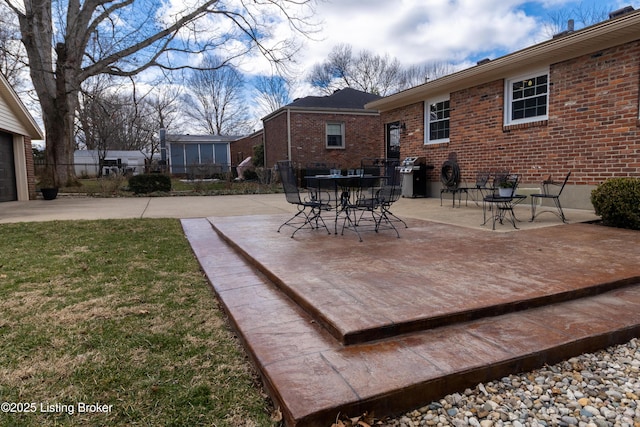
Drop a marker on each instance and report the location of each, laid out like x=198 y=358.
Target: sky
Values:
x=460 y=32
x=457 y=32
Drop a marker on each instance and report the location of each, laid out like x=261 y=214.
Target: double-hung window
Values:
x=335 y=135
x=436 y=120
x=527 y=98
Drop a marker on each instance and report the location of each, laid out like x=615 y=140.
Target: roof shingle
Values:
x=344 y=98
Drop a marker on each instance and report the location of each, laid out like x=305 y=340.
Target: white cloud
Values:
x=418 y=31
x=415 y=31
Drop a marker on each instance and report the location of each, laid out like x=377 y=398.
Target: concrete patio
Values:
x=386 y=325
x=339 y=326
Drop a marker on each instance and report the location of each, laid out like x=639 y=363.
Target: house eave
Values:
x=604 y=35
x=199 y=139
x=317 y=110
x=18 y=108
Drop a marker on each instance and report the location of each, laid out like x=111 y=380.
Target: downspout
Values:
x=163 y=146
x=264 y=145
x=289 y=134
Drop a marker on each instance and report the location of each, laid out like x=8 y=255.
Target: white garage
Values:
x=17 y=130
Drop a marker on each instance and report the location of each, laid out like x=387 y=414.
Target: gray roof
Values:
x=201 y=138
x=346 y=98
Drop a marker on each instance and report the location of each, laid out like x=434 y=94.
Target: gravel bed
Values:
x=593 y=390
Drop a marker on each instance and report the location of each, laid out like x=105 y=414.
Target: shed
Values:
x=196 y=154
x=87 y=162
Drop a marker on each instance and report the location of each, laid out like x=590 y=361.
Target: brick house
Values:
x=243 y=147
x=569 y=103
x=335 y=129
x=17 y=130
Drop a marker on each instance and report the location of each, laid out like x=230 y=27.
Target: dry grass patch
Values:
x=117 y=313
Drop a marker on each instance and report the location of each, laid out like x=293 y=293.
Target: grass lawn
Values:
x=117 y=313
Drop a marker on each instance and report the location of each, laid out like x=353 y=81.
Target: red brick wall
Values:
x=593 y=127
x=31 y=177
x=275 y=139
x=363 y=134
x=243 y=148
x=362 y=139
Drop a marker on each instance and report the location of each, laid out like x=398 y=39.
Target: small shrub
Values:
x=264 y=175
x=258 y=155
x=617 y=201
x=250 y=175
x=149 y=183
x=110 y=184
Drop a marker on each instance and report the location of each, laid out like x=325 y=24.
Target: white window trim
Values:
x=508 y=97
x=427 y=119
x=326 y=136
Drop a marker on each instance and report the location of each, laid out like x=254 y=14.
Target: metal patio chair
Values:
x=309 y=209
x=358 y=202
x=378 y=190
x=320 y=189
x=501 y=206
x=480 y=186
x=387 y=196
x=551 y=190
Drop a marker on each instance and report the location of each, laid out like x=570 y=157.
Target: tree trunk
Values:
x=59 y=150
x=59 y=114
x=56 y=83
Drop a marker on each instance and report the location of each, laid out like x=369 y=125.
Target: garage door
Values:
x=8 y=189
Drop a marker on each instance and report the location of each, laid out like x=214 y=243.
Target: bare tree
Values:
x=12 y=55
x=68 y=42
x=164 y=104
x=364 y=71
x=272 y=93
x=419 y=74
x=165 y=107
x=139 y=127
x=116 y=117
x=334 y=73
x=582 y=15
x=215 y=99
x=96 y=117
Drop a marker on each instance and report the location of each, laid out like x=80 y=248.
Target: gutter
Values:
x=604 y=35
